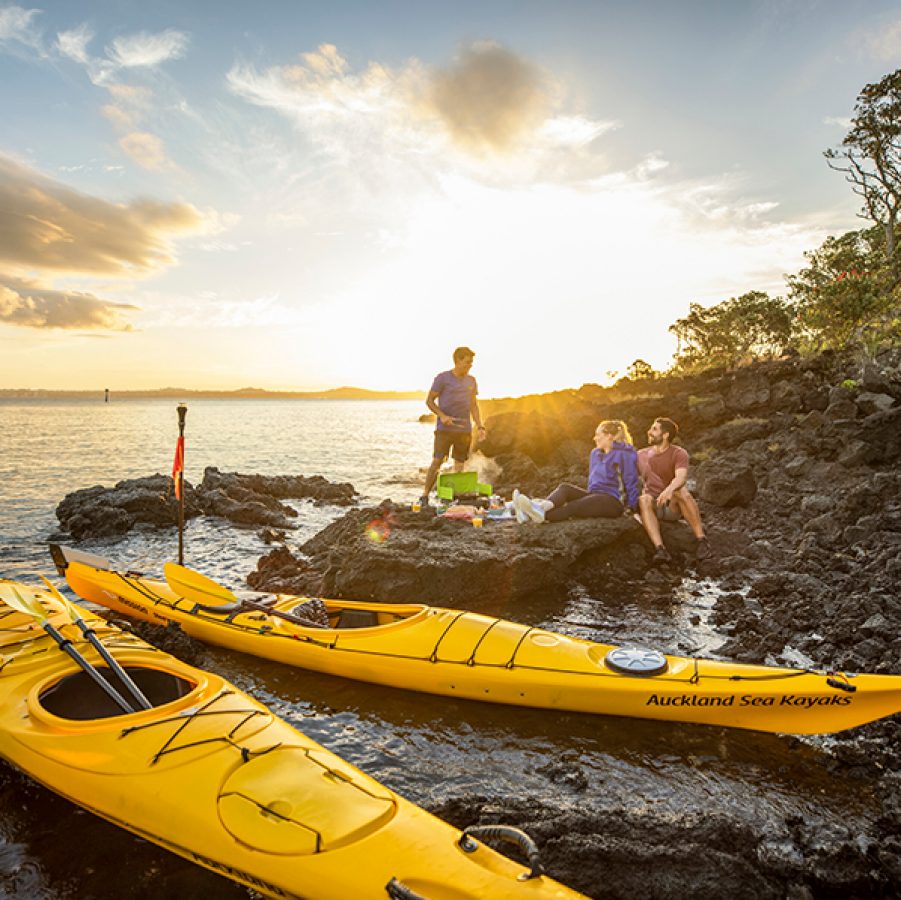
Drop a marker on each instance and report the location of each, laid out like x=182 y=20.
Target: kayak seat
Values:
x=357 y=618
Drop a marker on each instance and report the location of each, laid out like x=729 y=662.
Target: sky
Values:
x=298 y=195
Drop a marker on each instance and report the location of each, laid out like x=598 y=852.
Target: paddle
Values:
x=77 y=618
x=32 y=608
x=191 y=584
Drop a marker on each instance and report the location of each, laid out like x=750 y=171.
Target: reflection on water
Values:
x=50 y=849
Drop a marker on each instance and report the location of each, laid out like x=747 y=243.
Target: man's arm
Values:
x=476 y=415
x=431 y=403
x=679 y=481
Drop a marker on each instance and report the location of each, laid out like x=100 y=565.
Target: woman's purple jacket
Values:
x=606 y=469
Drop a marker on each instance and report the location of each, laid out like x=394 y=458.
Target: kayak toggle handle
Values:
x=845 y=685
x=504 y=833
x=397 y=890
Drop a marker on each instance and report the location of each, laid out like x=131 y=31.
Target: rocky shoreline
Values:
x=794 y=462
x=795 y=468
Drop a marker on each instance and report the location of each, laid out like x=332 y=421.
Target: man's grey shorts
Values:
x=666 y=513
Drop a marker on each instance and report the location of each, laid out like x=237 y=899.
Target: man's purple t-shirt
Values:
x=455 y=399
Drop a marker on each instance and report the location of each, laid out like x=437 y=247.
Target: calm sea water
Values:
x=49 y=448
x=49 y=849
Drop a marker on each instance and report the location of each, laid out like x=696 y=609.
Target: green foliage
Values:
x=850 y=384
x=641 y=371
x=847 y=294
x=751 y=326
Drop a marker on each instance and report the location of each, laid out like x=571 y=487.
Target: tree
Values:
x=741 y=328
x=846 y=294
x=870 y=157
x=640 y=370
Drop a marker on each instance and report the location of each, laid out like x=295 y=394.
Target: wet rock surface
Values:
x=243 y=499
x=643 y=852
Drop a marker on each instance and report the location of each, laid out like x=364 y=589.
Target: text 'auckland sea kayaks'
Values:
x=464 y=654
x=202 y=769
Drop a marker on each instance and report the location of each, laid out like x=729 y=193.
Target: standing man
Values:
x=664 y=468
x=453 y=400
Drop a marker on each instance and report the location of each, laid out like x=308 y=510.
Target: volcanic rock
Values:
x=243 y=499
x=390 y=554
x=103 y=512
x=726 y=484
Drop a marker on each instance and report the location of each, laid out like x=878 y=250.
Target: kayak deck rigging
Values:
x=199 y=611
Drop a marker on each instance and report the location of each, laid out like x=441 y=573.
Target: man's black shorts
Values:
x=459 y=440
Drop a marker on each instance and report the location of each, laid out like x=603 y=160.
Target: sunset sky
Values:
x=298 y=195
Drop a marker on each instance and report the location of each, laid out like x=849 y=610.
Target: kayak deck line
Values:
x=695 y=678
x=186 y=719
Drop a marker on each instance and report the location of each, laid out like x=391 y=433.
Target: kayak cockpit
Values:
x=76 y=697
x=310 y=612
x=362 y=615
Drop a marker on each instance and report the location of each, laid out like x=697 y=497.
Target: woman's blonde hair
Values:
x=617 y=428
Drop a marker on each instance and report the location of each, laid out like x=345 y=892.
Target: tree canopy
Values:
x=845 y=295
x=733 y=331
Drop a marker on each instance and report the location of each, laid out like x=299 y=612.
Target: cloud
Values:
x=147 y=50
x=17 y=24
x=134 y=51
x=884 y=44
x=840 y=121
x=74 y=44
x=45 y=225
x=323 y=90
x=489 y=98
x=489 y=114
x=26 y=303
x=48 y=230
x=126 y=113
x=145 y=149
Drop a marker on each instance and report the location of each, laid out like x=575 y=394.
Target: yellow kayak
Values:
x=464 y=654
x=214 y=776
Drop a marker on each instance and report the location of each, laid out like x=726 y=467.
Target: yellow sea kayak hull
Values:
x=464 y=654
x=215 y=777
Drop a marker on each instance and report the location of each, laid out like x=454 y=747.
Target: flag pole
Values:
x=182 y=411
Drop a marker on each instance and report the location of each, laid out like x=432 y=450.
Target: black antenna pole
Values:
x=182 y=410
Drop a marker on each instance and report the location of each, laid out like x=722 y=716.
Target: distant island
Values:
x=247 y=393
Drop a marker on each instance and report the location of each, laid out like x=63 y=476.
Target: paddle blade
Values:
x=13 y=599
x=188 y=583
x=71 y=608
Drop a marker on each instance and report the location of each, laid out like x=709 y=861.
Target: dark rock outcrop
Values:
x=244 y=499
x=104 y=512
x=727 y=484
x=390 y=554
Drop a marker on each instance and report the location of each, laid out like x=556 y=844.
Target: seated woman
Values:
x=612 y=473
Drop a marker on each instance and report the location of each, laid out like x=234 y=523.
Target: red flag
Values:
x=178 y=466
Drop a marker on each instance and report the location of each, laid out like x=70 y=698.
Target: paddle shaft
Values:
x=113 y=663
x=66 y=645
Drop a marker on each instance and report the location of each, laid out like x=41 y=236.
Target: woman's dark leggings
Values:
x=571 y=502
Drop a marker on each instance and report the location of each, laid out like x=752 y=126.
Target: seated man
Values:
x=664 y=468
